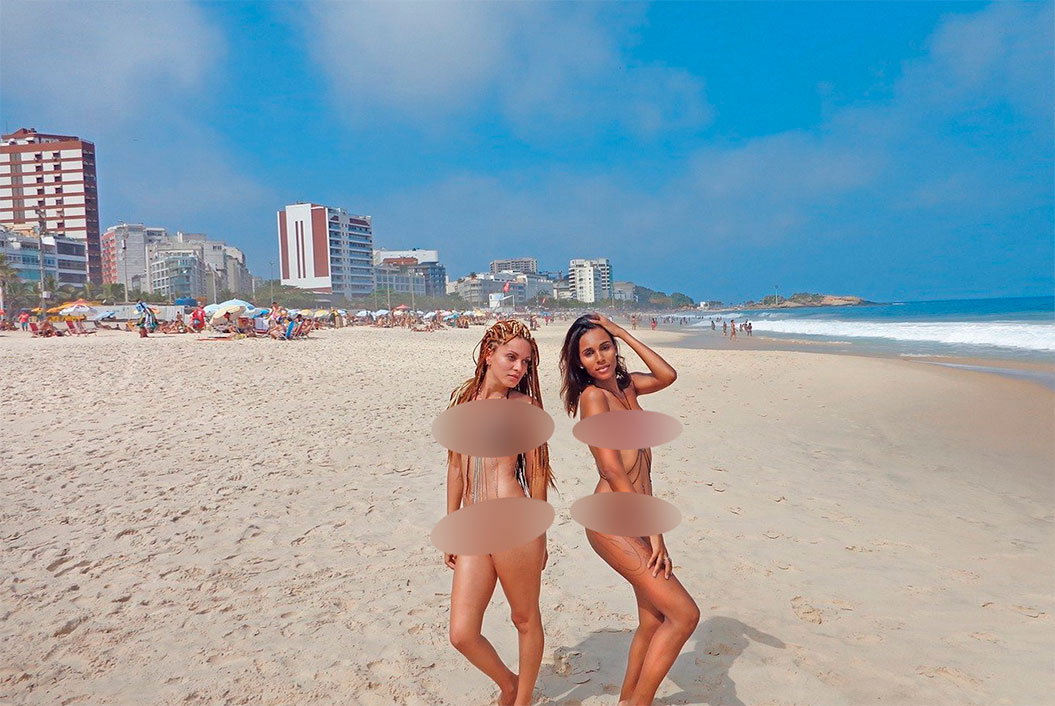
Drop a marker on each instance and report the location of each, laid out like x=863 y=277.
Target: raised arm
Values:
x=661 y=374
x=609 y=462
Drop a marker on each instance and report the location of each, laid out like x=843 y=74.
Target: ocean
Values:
x=1021 y=328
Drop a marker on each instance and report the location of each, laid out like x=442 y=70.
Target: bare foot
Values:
x=508 y=695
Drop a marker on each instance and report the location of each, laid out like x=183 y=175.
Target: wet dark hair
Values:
x=574 y=379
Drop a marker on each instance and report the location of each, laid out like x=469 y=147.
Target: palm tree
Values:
x=8 y=274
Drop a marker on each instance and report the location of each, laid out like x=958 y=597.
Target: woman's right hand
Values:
x=448 y=559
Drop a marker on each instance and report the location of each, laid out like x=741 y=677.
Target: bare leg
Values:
x=520 y=571
x=649 y=620
x=474 y=582
x=629 y=557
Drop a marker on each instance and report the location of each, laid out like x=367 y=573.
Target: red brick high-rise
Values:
x=51 y=178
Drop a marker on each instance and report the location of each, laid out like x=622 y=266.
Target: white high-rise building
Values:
x=590 y=280
x=326 y=250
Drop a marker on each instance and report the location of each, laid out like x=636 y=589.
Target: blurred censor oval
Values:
x=492 y=526
x=492 y=428
x=625 y=514
x=627 y=429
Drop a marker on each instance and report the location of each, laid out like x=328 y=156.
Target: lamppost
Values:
x=40 y=244
x=124 y=260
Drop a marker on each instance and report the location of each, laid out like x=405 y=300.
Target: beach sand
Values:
x=189 y=522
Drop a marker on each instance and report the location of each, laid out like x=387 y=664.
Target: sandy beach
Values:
x=236 y=522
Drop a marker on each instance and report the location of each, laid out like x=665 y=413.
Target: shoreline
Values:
x=1029 y=370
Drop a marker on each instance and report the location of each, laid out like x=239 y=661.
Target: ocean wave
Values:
x=1027 y=336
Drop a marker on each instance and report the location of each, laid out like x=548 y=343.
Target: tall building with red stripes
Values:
x=49 y=180
x=326 y=250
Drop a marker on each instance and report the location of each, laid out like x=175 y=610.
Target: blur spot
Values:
x=627 y=429
x=625 y=514
x=493 y=428
x=492 y=526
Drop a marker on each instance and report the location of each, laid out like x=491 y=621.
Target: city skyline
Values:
x=890 y=151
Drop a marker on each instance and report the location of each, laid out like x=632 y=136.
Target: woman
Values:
x=506 y=367
x=595 y=381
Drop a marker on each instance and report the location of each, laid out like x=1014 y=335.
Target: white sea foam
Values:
x=1027 y=336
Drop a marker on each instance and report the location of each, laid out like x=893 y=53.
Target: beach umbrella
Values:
x=380 y=312
x=342 y=312
x=233 y=310
x=78 y=310
x=306 y=312
x=210 y=309
x=238 y=302
x=321 y=312
x=364 y=312
x=429 y=315
x=259 y=312
x=402 y=307
x=105 y=315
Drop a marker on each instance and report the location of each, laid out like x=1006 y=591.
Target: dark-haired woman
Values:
x=506 y=368
x=595 y=380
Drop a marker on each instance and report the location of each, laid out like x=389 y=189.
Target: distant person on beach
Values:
x=725 y=327
x=506 y=368
x=197 y=318
x=713 y=327
x=749 y=328
x=732 y=330
x=23 y=319
x=654 y=323
x=594 y=381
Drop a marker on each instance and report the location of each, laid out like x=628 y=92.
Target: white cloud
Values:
x=103 y=62
x=423 y=63
x=924 y=167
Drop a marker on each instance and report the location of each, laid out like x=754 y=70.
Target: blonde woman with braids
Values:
x=506 y=367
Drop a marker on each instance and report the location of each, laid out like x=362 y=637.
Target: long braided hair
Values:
x=499 y=333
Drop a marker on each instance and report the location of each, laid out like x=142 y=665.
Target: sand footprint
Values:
x=804 y=611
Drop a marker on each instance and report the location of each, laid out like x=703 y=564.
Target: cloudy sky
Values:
x=896 y=151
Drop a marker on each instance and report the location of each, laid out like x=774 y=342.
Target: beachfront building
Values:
x=226 y=262
x=126 y=254
x=398 y=275
x=129 y=248
x=48 y=181
x=326 y=250
x=590 y=280
x=519 y=287
x=527 y=265
x=413 y=264
x=65 y=259
x=419 y=254
x=179 y=270
x=623 y=291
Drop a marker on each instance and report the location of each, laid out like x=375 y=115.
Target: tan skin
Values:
x=519 y=569
x=667 y=613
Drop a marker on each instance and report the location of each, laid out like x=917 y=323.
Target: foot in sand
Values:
x=508 y=695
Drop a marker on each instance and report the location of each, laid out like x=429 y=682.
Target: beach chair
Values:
x=34 y=328
x=72 y=328
x=85 y=327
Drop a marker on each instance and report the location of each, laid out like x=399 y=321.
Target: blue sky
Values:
x=891 y=150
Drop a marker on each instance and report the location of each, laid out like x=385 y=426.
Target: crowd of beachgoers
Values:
x=236 y=318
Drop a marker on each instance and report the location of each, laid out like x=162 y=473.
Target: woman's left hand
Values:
x=660 y=560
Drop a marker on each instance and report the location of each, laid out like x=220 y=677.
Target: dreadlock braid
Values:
x=499 y=333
